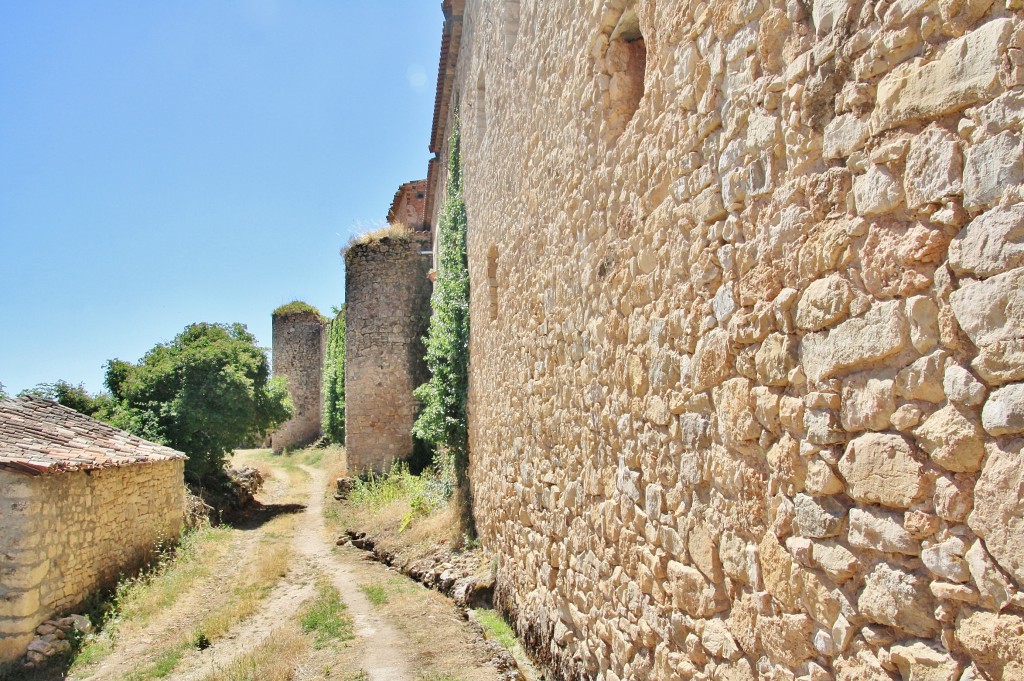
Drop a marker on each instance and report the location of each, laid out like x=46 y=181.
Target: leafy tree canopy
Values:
x=204 y=393
x=73 y=396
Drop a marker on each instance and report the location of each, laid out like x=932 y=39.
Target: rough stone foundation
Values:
x=65 y=535
x=299 y=346
x=387 y=298
x=748 y=332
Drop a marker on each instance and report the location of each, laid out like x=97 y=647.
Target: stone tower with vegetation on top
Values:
x=298 y=355
x=387 y=296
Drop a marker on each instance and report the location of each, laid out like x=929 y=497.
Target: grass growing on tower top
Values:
x=296 y=307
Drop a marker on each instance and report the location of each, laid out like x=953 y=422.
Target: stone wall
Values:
x=387 y=308
x=299 y=346
x=64 y=536
x=748 y=334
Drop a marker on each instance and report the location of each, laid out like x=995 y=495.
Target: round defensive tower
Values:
x=387 y=298
x=298 y=355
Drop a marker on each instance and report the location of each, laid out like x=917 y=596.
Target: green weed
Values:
x=326 y=617
x=496 y=627
x=377 y=593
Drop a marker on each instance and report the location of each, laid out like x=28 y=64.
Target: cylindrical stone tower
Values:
x=299 y=356
x=387 y=298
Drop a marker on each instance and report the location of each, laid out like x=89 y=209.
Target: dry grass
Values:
x=154 y=593
x=140 y=599
x=280 y=469
x=267 y=565
x=396 y=231
x=260 y=570
x=276 y=659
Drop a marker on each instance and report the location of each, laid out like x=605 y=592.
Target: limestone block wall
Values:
x=748 y=330
x=387 y=299
x=298 y=355
x=66 y=535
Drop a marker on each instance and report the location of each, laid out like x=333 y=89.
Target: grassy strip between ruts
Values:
x=262 y=568
x=377 y=593
x=139 y=599
x=326 y=617
x=275 y=659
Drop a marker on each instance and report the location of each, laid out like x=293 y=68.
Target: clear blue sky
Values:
x=163 y=163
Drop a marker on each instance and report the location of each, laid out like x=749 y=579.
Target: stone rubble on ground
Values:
x=52 y=638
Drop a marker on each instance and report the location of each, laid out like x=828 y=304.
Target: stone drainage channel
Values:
x=446 y=574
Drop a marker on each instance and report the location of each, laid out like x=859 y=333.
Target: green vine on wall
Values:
x=443 y=418
x=333 y=419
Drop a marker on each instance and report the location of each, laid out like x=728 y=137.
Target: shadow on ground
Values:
x=256 y=514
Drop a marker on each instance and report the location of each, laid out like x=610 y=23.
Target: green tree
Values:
x=203 y=393
x=73 y=396
x=3 y=392
x=442 y=420
x=333 y=420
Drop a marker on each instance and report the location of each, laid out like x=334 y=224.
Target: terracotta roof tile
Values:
x=38 y=436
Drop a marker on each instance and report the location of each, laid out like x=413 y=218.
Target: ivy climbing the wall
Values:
x=443 y=418
x=333 y=420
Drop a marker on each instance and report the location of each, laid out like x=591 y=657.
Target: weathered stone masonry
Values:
x=80 y=504
x=748 y=332
x=299 y=346
x=387 y=307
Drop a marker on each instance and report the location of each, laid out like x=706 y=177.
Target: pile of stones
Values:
x=52 y=638
x=345 y=486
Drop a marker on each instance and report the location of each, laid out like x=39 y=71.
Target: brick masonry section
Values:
x=387 y=297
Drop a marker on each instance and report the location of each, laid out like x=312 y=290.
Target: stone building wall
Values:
x=748 y=334
x=298 y=355
x=387 y=308
x=63 y=536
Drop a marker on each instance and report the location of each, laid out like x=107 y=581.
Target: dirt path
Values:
x=167 y=625
x=385 y=657
x=398 y=642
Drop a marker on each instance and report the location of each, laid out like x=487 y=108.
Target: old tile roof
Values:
x=39 y=436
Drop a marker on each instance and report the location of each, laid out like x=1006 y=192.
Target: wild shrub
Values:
x=72 y=396
x=295 y=307
x=424 y=493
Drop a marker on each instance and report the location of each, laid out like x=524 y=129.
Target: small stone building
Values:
x=81 y=502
